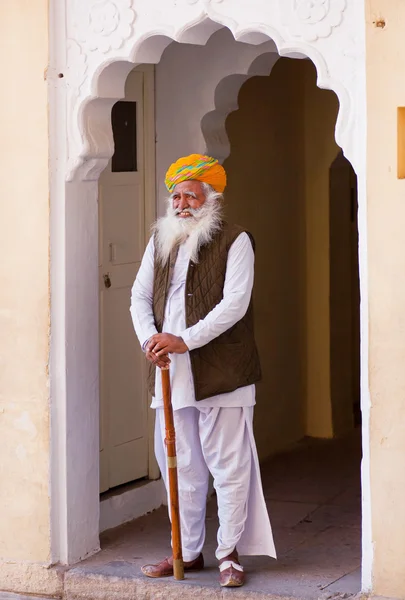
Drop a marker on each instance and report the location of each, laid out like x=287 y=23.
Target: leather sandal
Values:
x=231 y=571
x=165 y=567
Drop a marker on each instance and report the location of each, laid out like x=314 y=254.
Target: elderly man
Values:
x=191 y=308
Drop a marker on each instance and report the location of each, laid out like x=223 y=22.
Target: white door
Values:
x=123 y=216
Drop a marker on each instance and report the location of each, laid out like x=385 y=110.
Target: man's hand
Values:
x=163 y=362
x=162 y=344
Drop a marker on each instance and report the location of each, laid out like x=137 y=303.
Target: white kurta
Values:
x=211 y=423
x=237 y=293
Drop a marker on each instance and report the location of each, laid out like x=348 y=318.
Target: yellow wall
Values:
x=385 y=55
x=282 y=145
x=24 y=295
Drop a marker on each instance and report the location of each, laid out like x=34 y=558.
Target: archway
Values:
x=278 y=172
x=92 y=90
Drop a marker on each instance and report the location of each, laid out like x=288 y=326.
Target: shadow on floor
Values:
x=313 y=496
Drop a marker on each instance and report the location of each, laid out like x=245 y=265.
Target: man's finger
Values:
x=151 y=345
x=163 y=358
x=149 y=356
x=165 y=350
x=154 y=339
x=163 y=361
x=160 y=346
x=162 y=365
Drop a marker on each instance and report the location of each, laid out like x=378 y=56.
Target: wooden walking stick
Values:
x=170 y=441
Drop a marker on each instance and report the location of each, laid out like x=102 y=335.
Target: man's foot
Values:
x=165 y=568
x=231 y=571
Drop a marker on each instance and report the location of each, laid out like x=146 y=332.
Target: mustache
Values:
x=192 y=211
x=197 y=230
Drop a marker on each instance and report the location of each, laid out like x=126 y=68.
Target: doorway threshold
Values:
x=130 y=501
x=314 y=501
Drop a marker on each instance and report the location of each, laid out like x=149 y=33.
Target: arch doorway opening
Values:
x=291 y=187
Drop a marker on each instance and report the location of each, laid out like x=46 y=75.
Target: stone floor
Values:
x=313 y=496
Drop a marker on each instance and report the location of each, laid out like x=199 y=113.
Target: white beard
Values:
x=195 y=231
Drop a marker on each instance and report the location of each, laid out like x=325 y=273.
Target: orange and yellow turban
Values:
x=199 y=167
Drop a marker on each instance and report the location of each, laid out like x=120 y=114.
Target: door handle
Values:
x=107 y=280
x=113 y=253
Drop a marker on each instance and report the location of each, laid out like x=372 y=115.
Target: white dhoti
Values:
x=220 y=441
x=212 y=435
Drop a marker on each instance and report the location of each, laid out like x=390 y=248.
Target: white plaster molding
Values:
x=75 y=74
x=312 y=19
x=76 y=66
x=103 y=24
x=226 y=101
x=203 y=1
x=104 y=34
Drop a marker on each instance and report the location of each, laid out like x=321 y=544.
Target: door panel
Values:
x=123 y=395
x=124 y=224
x=124 y=370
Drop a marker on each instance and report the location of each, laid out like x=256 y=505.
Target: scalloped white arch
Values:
x=90 y=136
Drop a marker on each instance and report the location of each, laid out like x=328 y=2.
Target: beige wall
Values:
x=24 y=294
x=282 y=145
x=385 y=55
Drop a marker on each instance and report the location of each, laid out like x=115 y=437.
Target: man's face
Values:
x=187 y=195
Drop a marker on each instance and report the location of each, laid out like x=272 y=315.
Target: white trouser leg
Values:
x=192 y=476
x=227 y=451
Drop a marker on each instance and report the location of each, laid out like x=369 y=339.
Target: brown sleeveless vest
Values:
x=229 y=361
